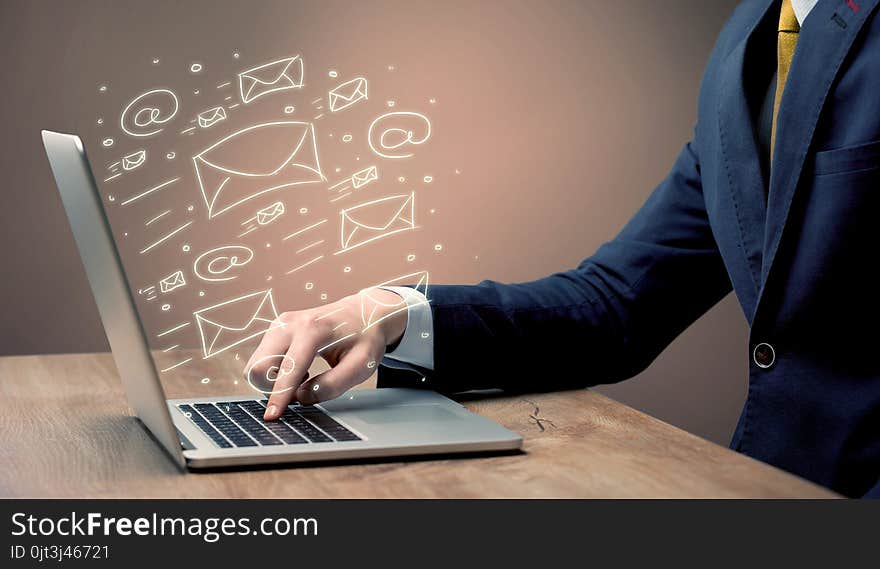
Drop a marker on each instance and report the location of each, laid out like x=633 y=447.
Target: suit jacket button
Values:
x=764 y=355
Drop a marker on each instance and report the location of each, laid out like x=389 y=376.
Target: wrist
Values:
x=393 y=322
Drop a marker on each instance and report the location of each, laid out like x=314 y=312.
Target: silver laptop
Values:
x=229 y=431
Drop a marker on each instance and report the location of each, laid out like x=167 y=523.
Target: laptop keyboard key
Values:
x=204 y=426
x=229 y=429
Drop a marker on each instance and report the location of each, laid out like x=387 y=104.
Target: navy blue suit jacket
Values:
x=801 y=251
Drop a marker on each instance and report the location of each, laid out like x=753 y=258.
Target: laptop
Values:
x=229 y=431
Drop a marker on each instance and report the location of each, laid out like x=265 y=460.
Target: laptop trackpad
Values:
x=405 y=414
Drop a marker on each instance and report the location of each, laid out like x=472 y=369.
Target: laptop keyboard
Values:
x=240 y=424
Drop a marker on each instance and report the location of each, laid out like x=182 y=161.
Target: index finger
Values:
x=293 y=370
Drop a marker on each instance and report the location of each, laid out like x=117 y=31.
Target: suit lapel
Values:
x=825 y=39
x=739 y=149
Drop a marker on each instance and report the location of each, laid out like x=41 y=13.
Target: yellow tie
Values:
x=786 y=41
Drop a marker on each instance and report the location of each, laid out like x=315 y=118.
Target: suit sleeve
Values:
x=602 y=322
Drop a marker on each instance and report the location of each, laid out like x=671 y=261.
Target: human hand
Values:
x=333 y=332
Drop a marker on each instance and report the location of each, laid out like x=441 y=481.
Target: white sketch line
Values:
x=337 y=184
x=347 y=94
x=331 y=313
x=338 y=326
x=309 y=246
x=169 y=348
x=304 y=229
x=164 y=184
x=337 y=198
x=304 y=265
x=178 y=364
x=319 y=116
x=161 y=215
x=402 y=218
x=334 y=342
x=227 y=84
x=174 y=329
x=113 y=176
x=318 y=100
x=248 y=231
x=114 y=165
x=186 y=130
x=169 y=236
x=234 y=105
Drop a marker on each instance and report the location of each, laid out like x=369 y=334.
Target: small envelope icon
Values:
x=228 y=324
x=364 y=177
x=256 y=160
x=171 y=282
x=211 y=117
x=271 y=77
x=347 y=94
x=372 y=307
x=134 y=160
x=269 y=214
x=374 y=220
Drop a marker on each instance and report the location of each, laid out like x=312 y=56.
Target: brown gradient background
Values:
x=560 y=116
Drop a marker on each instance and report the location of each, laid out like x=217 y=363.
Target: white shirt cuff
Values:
x=416 y=346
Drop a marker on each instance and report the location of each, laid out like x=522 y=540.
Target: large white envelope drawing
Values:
x=374 y=310
x=256 y=160
x=347 y=94
x=270 y=77
x=364 y=177
x=233 y=322
x=211 y=117
x=171 y=282
x=374 y=220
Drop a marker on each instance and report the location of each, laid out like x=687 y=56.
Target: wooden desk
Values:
x=66 y=432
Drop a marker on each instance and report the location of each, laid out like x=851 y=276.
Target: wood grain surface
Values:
x=66 y=432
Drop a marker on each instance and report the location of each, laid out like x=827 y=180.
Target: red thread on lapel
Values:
x=852 y=5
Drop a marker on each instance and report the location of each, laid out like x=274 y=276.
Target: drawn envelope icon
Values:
x=347 y=94
x=269 y=214
x=134 y=160
x=374 y=220
x=256 y=160
x=270 y=77
x=364 y=177
x=233 y=322
x=171 y=282
x=371 y=304
x=211 y=117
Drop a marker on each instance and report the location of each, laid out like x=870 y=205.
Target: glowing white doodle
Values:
x=375 y=220
x=195 y=68
x=347 y=94
x=304 y=265
x=134 y=160
x=166 y=237
x=394 y=137
x=178 y=364
x=155 y=107
x=172 y=282
x=373 y=305
x=221 y=326
x=364 y=177
x=269 y=213
x=107 y=142
x=282 y=365
x=211 y=117
x=155 y=188
x=211 y=264
x=172 y=329
x=304 y=229
x=272 y=77
x=309 y=246
x=225 y=184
